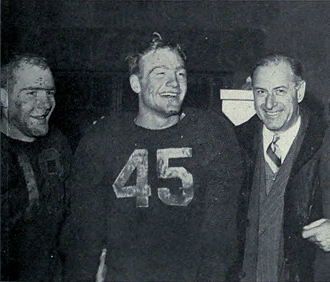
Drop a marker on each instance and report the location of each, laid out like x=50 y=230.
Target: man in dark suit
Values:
x=318 y=231
x=282 y=192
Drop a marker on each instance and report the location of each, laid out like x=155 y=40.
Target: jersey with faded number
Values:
x=32 y=204
x=154 y=200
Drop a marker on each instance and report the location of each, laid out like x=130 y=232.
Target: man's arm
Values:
x=318 y=231
x=224 y=180
x=83 y=234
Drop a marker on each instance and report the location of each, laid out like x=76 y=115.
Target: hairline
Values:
x=10 y=70
x=157 y=42
x=275 y=60
x=142 y=57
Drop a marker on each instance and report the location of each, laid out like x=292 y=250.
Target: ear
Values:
x=4 y=98
x=135 y=83
x=301 y=91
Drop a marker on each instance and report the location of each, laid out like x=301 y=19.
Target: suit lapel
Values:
x=257 y=144
x=314 y=132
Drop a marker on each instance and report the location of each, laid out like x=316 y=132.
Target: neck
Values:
x=12 y=132
x=156 y=122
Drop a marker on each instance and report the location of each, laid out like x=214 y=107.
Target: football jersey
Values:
x=162 y=202
x=32 y=205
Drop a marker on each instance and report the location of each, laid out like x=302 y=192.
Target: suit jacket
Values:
x=303 y=193
x=322 y=263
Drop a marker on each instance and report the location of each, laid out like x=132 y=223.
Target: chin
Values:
x=38 y=132
x=172 y=112
x=274 y=127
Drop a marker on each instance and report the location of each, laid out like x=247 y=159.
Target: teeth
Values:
x=169 y=94
x=272 y=114
x=39 y=117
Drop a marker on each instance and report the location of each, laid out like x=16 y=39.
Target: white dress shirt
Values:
x=284 y=143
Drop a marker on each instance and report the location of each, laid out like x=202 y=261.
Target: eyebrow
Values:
x=282 y=86
x=37 y=88
x=258 y=87
x=277 y=87
x=165 y=67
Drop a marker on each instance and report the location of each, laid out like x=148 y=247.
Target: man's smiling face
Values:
x=277 y=95
x=31 y=100
x=163 y=81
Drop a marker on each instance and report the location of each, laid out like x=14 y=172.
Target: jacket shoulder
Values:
x=246 y=132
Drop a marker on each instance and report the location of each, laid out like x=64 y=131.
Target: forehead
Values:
x=274 y=73
x=161 y=57
x=27 y=75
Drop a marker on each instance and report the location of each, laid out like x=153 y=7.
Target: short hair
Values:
x=157 y=42
x=8 y=71
x=273 y=58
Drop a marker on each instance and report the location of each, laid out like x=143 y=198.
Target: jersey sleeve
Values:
x=223 y=182
x=83 y=233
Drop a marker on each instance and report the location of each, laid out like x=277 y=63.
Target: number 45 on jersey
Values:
x=142 y=191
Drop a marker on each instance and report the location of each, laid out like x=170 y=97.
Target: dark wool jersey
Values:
x=32 y=205
x=162 y=202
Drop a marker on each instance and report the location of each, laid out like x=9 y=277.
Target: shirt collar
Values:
x=286 y=138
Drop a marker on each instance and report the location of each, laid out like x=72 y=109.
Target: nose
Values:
x=44 y=100
x=172 y=81
x=270 y=101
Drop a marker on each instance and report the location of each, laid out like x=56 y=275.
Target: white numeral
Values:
x=30 y=180
x=139 y=161
x=164 y=171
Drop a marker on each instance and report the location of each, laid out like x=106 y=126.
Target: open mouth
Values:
x=40 y=117
x=272 y=114
x=169 y=94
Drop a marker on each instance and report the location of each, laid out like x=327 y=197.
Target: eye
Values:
x=280 y=91
x=260 y=92
x=182 y=74
x=50 y=92
x=31 y=92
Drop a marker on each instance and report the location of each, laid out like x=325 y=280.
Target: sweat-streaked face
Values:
x=277 y=96
x=31 y=101
x=163 y=81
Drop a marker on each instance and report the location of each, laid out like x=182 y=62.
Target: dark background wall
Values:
x=86 y=41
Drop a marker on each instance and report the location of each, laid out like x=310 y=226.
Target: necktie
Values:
x=273 y=151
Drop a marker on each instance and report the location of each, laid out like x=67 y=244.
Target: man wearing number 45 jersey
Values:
x=34 y=164
x=154 y=195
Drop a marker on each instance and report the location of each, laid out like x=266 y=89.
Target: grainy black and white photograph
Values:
x=165 y=141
